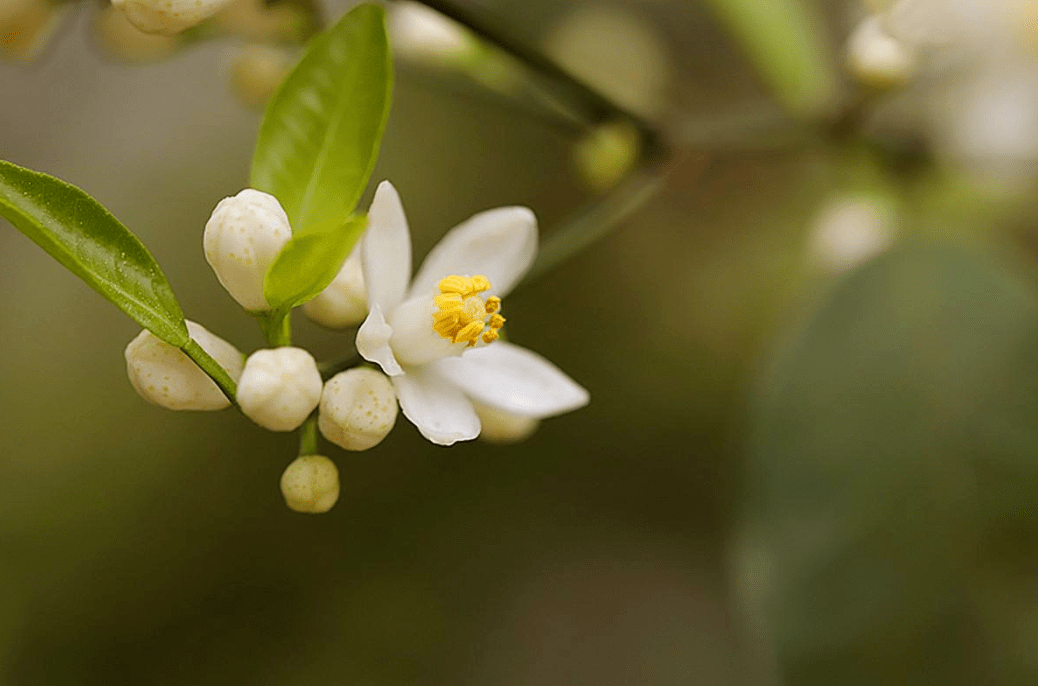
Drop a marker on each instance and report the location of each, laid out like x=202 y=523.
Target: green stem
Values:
x=277 y=327
x=308 y=436
x=211 y=367
x=332 y=367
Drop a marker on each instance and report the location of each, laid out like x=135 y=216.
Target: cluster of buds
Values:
x=282 y=388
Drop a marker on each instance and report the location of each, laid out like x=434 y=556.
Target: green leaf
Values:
x=322 y=130
x=786 y=42
x=891 y=502
x=307 y=264
x=83 y=236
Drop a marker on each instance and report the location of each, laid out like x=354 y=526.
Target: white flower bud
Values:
x=877 y=59
x=279 y=388
x=499 y=426
x=162 y=374
x=310 y=484
x=168 y=17
x=423 y=34
x=849 y=231
x=345 y=301
x=257 y=72
x=358 y=409
x=242 y=238
x=121 y=39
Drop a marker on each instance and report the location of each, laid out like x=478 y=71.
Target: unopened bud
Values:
x=423 y=34
x=168 y=17
x=606 y=154
x=499 y=426
x=310 y=484
x=877 y=59
x=345 y=301
x=162 y=374
x=121 y=39
x=257 y=72
x=358 y=409
x=279 y=388
x=25 y=27
x=242 y=238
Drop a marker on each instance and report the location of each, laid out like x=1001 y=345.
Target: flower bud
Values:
x=242 y=238
x=26 y=26
x=345 y=301
x=257 y=72
x=499 y=426
x=422 y=34
x=310 y=484
x=279 y=388
x=122 y=40
x=162 y=374
x=168 y=17
x=358 y=409
x=877 y=59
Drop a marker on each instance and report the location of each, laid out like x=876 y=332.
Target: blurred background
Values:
x=811 y=454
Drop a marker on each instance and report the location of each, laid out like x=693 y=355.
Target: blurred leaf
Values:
x=892 y=501
x=785 y=42
x=307 y=264
x=84 y=237
x=322 y=130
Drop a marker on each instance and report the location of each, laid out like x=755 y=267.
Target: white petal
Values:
x=373 y=342
x=499 y=244
x=439 y=409
x=514 y=379
x=386 y=250
x=414 y=340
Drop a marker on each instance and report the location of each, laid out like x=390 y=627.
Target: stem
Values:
x=277 y=327
x=332 y=367
x=308 y=436
x=211 y=367
x=591 y=105
x=597 y=220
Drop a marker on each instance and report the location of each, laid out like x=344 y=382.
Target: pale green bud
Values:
x=279 y=388
x=358 y=409
x=242 y=238
x=310 y=484
x=162 y=374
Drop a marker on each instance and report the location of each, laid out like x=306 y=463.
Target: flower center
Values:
x=462 y=315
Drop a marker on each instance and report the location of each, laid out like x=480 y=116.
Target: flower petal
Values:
x=414 y=340
x=386 y=250
x=442 y=413
x=514 y=379
x=499 y=244
x=373 y=342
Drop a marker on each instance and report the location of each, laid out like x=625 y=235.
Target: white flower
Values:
x=279 y=388
x=436 y=337
x=310 y=484
x=358 y=409
x=242 y=238
x=345 y=301
x=168 y=17
x=163 y=375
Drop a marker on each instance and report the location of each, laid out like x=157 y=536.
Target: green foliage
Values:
x=308 y=263
x=785 y=42
x=321 y=133
x=890 y=524
x=84 y=237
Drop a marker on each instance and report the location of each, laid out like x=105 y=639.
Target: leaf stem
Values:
x=212 y=368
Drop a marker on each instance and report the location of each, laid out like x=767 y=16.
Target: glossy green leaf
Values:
x=786 y=42
x=84 y=237
x=322 y=130
x=308 y=263
x=891 y=502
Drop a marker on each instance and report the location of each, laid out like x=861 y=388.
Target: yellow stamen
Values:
x=461 y=314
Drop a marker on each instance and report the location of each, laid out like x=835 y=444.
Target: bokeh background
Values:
x=811 y=455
